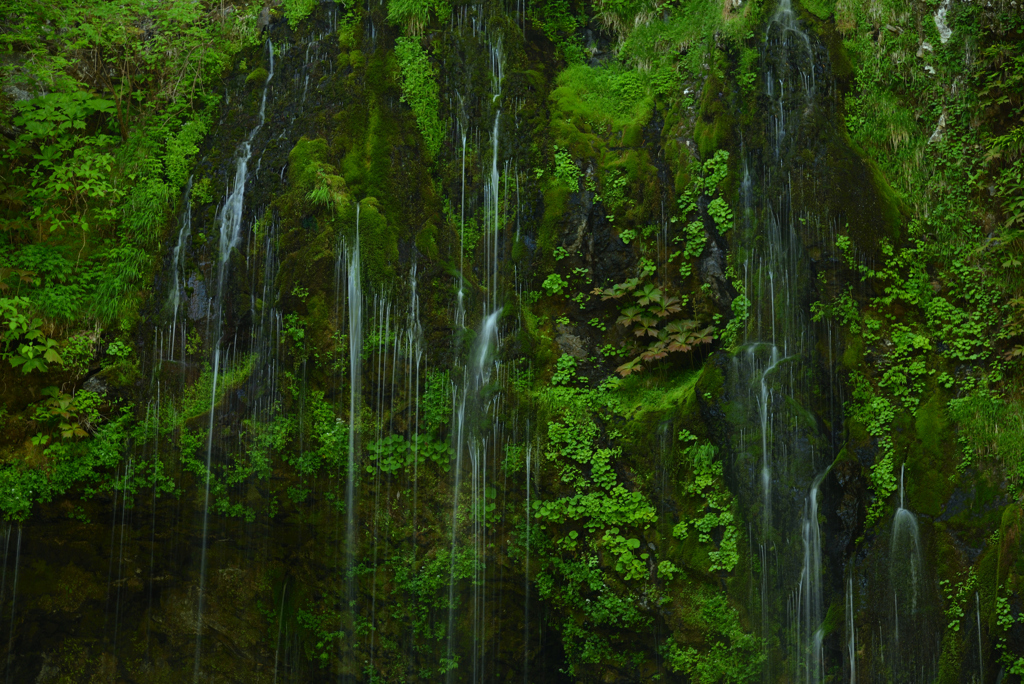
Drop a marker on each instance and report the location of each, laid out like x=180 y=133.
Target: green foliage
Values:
x=558 y=21
x=1005 y=622
x=957 y=595
x=87 y=463
x=319 y=622
x=24 y=344
x=989 y=425
x=330 y=431
x=297 y=10
x=436 y=403
x=721 y=213
x=75 y=415
x=610 y=96
x=111 y=124
x=72 y=170
x=654 y=308
x=414 y=15
x=713 y=505
x=566 y=170
x=734 y=655
x=393 y=453
x=566 y=371
x=420 y=91
x=202 y=192
x=554 y=284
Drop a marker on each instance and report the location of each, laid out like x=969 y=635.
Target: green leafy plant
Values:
x=25 y=345
x=555 y=284
x=420 y=89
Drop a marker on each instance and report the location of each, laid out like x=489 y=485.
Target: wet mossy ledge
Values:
x=558 y=343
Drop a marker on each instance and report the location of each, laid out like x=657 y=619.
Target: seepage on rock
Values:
x=940 y=22
x=570 y=344
x=940 y=129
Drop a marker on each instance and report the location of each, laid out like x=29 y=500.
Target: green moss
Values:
x=347 y=37
x=556 y=200
x=632 y=135
x=305 y=160
x=257 y=77
x=931 y=426
x=822 y=9
x=711 y=383
x=715 y=122
x=378 y=243
x=951 y=659
x=604 y=96
x=421 y=92
x=426 y=241
x=1009 y=544
x=853 y=352
x=834 y=618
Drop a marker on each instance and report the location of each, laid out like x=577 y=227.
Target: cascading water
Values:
x=905 y=555
x=808 y=604
x=176 y=263
x=906 y=568
x=782 y=443
x=471 y=440
x=355 y=347
x=14 y=598
x=230 y=222
x=851 y=631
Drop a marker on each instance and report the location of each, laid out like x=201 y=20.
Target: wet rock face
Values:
x=850 y=502
x=712 y=272
x=570 y=344
x=592 y=239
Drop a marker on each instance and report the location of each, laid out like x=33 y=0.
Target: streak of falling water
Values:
x=981 y=653
x=355 y=347
x=905 y=554
x=476 y=374
x=460 y=317
x=526 y=569
x=230 y=220
x=280 y=621
x=851 y=634
x=492 y=190
x=14 y=598
x=415 y=354
x=176 y=261
x=810 y=665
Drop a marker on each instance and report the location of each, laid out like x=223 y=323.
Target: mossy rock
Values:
x=257 y=77
x=378 y=243
x=715 y=123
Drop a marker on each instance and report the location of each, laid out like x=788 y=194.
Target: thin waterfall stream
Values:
x=230 y=222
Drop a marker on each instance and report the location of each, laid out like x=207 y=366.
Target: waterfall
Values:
x=851 y=632
x=906 y=583
x=809 y=664
x=355 y=348
x=176 y=262
x=14 y=598
x=981 y=652
x=782 y=444
x=462 y=218
x=471 y=439
x=905 y=554
x=230 y=221
x=415 y=352
x=526 y=571
x=491 y=191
